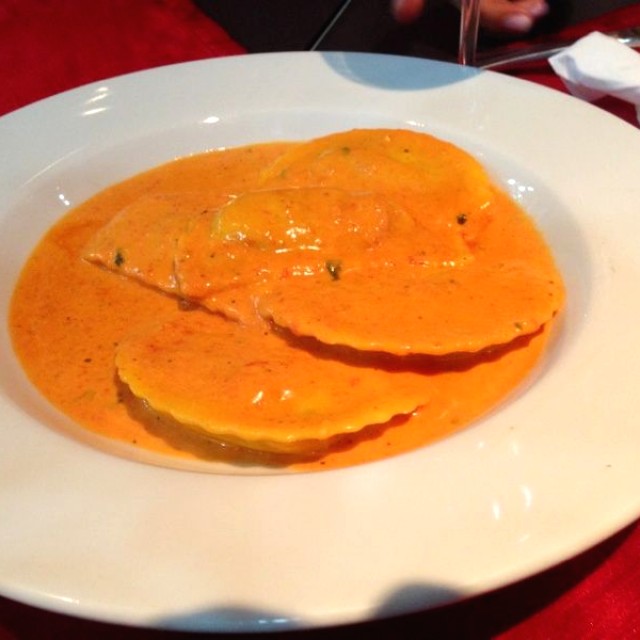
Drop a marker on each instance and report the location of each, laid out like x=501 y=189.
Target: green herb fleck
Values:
x=334 y=267
x=118 y=260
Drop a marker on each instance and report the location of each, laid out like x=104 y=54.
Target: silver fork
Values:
x=498 y=60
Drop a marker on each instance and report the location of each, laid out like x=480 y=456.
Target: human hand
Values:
x=496 y=16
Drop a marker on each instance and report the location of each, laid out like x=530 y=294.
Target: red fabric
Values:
x=47 y=47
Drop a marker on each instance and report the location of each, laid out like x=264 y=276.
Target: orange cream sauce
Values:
x=68 y=315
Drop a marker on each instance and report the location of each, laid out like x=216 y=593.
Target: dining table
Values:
x=50 y=47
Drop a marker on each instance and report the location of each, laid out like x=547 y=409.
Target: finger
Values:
x=406 y=10
x=507 y=16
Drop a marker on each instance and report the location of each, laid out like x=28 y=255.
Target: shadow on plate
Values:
x=397 y=73
x=478 y=618
x=402 y=614
x=234 y=620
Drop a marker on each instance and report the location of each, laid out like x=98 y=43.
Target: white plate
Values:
x=554 y=471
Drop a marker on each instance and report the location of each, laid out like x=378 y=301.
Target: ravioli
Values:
x=379 y=240
x=224 y=258
x=141 y=240
x=510 y=288
x=386 y=160
x=253 y=387
x=266 y=236
x=430 y=318
x=293 y=298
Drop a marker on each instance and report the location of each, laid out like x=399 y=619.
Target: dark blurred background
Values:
x=367 y=25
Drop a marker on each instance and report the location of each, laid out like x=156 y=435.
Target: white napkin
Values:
x=599 y=65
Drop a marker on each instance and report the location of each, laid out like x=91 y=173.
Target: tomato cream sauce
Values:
x=68 y=316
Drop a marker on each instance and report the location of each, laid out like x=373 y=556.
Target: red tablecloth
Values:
x=48 y=47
